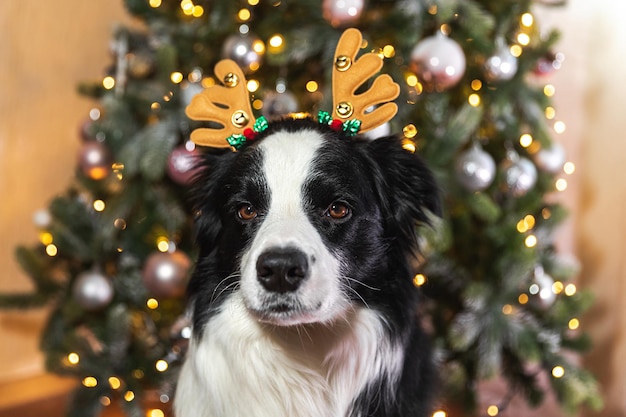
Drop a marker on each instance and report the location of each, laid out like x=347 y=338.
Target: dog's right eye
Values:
x=246 y=212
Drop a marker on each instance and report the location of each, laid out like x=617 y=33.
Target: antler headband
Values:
x=229 y=104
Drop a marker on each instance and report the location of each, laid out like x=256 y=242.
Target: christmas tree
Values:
x=116 y=248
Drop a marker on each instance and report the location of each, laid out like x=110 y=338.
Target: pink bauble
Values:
x=165 y=274
x=438 y=62
x=94 y=160
x=181 y=164
x=342 y=12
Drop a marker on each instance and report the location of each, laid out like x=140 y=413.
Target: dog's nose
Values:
x=282 y=270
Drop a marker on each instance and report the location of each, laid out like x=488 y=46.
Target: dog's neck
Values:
x=286 y=371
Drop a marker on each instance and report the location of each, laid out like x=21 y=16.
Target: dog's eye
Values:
x=338 y=211
x=246 y=212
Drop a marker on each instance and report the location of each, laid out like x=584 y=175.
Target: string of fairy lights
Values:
x=276 y=44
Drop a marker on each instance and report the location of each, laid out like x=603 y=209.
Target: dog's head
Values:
x=306 y=222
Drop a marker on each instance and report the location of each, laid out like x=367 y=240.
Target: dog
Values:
x=302 y=299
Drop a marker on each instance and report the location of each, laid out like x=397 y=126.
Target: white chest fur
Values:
x=241 y=368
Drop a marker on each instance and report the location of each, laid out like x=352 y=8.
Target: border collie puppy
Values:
x=302 y=300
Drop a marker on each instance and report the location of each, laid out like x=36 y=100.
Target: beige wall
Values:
x=47 y=48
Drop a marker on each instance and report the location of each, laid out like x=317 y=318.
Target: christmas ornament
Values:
x=475 y=169
x=438 y=62
x=165 y=274
x=42 y=218
x=550 y=159
x=247 y=51
x=342 y=12
x=181 y=164
x=279 y=104
x=94 y=160
x=502 y=65
x=92 y=290
x=549 y=63
x=519 y=174
x=541 y=289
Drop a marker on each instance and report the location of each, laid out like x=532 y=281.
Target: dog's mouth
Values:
x=284 y=313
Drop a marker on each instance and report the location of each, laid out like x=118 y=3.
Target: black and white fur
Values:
x=296 y=312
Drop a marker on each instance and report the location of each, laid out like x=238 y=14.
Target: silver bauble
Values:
x=438 y=62
x=279 y=104
x=550 y=159
x=165 y=274
x=475 y=169
x=519 y=175
x=92 y=290
x=502 y=65
x=247 y=51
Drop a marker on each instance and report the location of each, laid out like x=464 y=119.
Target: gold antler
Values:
x=228 y=105
x=349 y=74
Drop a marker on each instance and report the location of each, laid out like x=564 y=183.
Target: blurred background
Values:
x=49 y=47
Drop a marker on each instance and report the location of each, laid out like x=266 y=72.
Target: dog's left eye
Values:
x=338 y=211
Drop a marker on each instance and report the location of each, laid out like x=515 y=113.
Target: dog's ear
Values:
x=406 y=187
x=206 y=190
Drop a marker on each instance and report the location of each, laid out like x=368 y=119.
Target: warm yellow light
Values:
x=409 y=131
x=99 y=205
x=163 y=244
x=530 y=241
x=411 y=80
x=51 y=250
x=546 y=213
x=526 y=140
x=155 y=106
x=493 y=410
x=90 y=382
x=516 y=50
x=409 y=146
x=176 y=77
x=557 y=287
x=561 y=184
x=476 y=85
x=115 y=382
x=161 y=365
x=445 y=29
x=253 y=2
x=559 y=127
x=197 y=11
x=258 y=46
x=474 y=100
x=276 y=41
x=573 y=324
x=108 y=82
x=549 y=90
x=558 y=371
x=155 y=413
x=529 y=220
x=155 y=3
x=254 y=66
x=73 y=358
x=105 y=401
x=46 y=238
x=507 y=309
x=570 y=290
x=244 y=15
x=419 y=280
x=523 y=299
x=440 y=413
x=129 y=396
x=253 y=85
x=527 y=19
x=257 y=104
x=152 y=303
x=523 y=39
x=569 y=168
x=389 y=51
x=312 y=86
x=550 y=113
x=208 y=82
